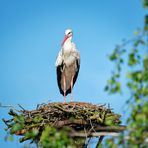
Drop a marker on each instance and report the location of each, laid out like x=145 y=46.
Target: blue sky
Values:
x=31 y=33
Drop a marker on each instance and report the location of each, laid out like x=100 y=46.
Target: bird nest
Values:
x=82 y=119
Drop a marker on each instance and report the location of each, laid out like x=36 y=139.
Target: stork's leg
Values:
x=64 y=82
x=71 y=85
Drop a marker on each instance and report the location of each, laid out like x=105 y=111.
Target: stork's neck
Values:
x=68 y=44
x=68 y=41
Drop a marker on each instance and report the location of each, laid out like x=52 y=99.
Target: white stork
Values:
x=67 y=64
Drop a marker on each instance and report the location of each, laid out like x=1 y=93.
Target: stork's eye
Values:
x=69 y=33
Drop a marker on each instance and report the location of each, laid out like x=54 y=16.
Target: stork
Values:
x=67 y=65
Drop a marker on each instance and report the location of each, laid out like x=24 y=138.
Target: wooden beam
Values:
x=94 y=134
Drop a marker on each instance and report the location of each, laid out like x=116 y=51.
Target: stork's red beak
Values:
x=65 y=38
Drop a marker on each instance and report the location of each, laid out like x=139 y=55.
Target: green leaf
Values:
x=146 y=23
x=37 y=119
x=114 y=56
x=16 y=127
x=145 y=62
x=106 y=88
x=132 y=59
x=145 y=3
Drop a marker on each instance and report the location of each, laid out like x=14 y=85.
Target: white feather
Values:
x=59 y=59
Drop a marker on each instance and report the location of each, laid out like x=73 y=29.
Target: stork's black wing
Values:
x=59 y=74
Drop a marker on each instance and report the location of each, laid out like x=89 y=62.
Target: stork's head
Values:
x=68 y=34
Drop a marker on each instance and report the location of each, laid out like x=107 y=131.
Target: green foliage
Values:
x=145 y=3
x=133 y=59
x=18 y=124
x=138 y=125
x=113 y=84
x=146 y=23
x=137 y=83
x=52 y=138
